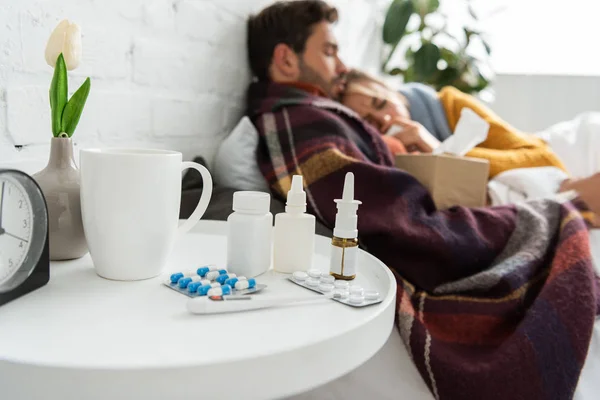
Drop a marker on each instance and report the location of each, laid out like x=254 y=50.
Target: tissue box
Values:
x=451 y=180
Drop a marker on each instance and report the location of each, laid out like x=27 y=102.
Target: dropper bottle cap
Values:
x=296 y=197
x=346 y=218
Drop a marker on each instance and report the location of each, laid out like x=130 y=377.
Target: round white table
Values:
x=85 y=337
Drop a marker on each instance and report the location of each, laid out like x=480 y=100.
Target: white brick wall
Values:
x=165 y=73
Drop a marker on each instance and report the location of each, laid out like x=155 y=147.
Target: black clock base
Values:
x=38 y=278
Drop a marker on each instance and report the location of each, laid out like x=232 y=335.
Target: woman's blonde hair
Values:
x=355 y=84
x=355 y=75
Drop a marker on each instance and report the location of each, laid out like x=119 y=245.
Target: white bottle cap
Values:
x=296 y=197
x=251 y=202
x=346 y=219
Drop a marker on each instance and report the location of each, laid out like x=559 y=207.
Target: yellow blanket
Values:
x=506 y=148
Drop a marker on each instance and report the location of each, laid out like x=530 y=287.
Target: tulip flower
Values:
x=65 y=39
x=63 y=52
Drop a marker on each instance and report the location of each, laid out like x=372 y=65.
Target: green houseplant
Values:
x=59 y=180
x=435 y=56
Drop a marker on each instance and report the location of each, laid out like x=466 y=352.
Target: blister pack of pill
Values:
x=342 y=291
x=211 y=280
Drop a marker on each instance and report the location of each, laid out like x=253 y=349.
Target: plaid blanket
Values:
x=493 y=303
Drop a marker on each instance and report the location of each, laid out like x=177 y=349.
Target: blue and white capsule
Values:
x=184 y=282
x=193 y=287
x=203 y=290
x=202 y=271
x=212 y=275
x=247 y=284
x=220 y=291
x=232 y=281
x=178 y=275
x=222 y=278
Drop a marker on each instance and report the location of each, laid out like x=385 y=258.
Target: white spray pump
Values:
x=346 y=219
x=294 y=236
x=344 y=245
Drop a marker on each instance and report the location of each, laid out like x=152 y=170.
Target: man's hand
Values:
x=413 y=136
x=589 y=191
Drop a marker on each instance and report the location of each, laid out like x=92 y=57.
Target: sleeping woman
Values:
x=428 y=117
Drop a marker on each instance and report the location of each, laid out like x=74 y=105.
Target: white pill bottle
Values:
x=249 y=234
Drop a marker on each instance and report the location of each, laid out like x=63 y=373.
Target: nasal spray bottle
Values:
x=294 y=235
x=344 y=245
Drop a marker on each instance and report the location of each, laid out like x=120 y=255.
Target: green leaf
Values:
x=58 y=94
x=449 y=56
x=426 y=59
x=396 y=20
x=472 y=12
x=488 y=49
x=424 y=7
x=446 y=77
x=482 y=83
x=468 y=34
x=396 y=71
x=409 y=74
x=461 y=85
x=74 y=108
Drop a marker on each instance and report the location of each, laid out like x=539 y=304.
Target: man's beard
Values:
x=309 y=75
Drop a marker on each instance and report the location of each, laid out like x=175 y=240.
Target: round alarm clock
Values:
x=24 y=254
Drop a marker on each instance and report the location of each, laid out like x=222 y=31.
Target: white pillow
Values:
x=235 y=163
x=577 y=143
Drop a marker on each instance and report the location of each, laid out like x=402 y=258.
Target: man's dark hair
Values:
x=288 y=22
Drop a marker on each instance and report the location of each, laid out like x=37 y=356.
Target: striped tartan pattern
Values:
x=493 y=303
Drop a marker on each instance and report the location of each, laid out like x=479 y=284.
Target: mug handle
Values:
x=207 y=187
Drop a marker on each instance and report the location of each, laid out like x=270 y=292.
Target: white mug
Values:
x=130 y=202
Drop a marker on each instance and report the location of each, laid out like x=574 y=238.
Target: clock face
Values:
x=16 y=227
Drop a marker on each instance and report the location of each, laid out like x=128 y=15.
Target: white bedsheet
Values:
x=390 y=374
x=518 y=185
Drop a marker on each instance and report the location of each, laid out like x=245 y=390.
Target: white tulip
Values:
x=65 y=39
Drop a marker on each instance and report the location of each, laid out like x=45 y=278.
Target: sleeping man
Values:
x=486 y=297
